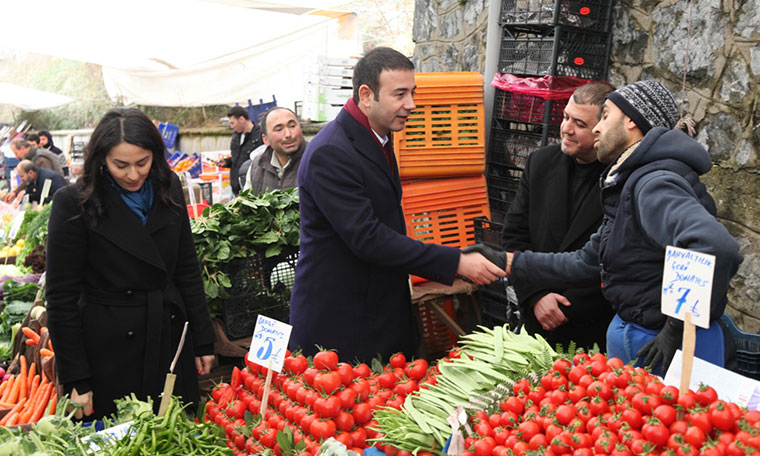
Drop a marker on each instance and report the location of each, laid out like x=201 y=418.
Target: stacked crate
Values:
x=441 y=160
x=328 y=87
x=540 y=38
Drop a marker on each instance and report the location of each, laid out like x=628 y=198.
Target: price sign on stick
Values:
x=268 y=347
x=45 y=190
x=15 y=225
x=686 y=289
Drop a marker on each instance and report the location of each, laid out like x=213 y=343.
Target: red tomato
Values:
x=678 y=427
x=561 y=444
x=527 y=429
x=580 y=358
x=386 y=380
x=344 y=421
x=562 y=366
x=522 y=386
x=538 y=442
x=721 y=416
x=483 y=448
x=633 y=418
x=327 y=382
x=309 y=374
x=605 y=443
x=322 y=429
x=359 y=437
x=404 y=388
x=687 y=400
x=702 y=420
x=296 y=365
x=362 y=370
x=513 y=404
x=328 y=407
x=361 y=387
x=362 y=412
x=666 y=414
x=416 y=369
x=695 y=436
x=565 y=414
x=398 y=360
x=706 y=394
x=656 y=433
x=326 y=360
x=602 y=390
x=575 y=374
x=576 y=393
x=346 y=373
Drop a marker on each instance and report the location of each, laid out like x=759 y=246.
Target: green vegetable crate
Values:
x=259 y=286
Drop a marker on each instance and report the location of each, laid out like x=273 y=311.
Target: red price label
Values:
x=585 y=11
x=579 y=61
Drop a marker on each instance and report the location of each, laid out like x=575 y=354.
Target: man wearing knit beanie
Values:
x=652 y=198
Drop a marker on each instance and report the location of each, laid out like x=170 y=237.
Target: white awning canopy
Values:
x=30 y=99
x=187 y=52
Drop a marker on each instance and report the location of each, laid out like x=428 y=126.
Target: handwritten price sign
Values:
x=687 y=285
x=269 y=343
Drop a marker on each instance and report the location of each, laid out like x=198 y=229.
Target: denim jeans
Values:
x=624 y=339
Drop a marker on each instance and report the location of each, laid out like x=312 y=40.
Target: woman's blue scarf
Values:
x=140 y=201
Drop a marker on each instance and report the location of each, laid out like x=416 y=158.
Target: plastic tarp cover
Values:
x=546 y=87
x=30 y=99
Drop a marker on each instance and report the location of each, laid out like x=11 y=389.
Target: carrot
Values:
x=31 y=405
x=50 y=344
x=35 y=385
x=31 y=334
x=13 y=414
x=43 y=330
x=13 y=397
x=53 y=400
x=45 y=353
x=22 y=377
x=3 y=387
x=31 y=375
x=39 y=408
x=7 y=393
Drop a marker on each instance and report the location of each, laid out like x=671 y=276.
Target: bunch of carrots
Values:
x=32 y=338
x=29 y=395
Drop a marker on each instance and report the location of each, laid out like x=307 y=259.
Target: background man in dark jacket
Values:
x=276 y=168
x=35 y=178
x=351 y=289
x=246 y=137
x=557 y=209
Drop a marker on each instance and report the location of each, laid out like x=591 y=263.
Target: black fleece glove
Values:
x=661 y=348
x=496 y=257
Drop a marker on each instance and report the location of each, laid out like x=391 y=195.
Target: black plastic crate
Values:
x=588 y=14
x=495 y=306
x=563 y=51
x=260 y=286
x=502 y=188
x=487 y=232
x=512 y=147
x=530 y=109
x=747 y=349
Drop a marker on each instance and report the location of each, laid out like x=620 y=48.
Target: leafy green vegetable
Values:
x=36 y=232
x=249 y=225
x=18 y=291
x=24 y=228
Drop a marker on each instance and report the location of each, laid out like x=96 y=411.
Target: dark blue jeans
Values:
x=624 y=339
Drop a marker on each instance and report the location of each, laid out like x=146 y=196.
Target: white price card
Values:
x=45 y=190
x=16 y=225
x=269 y=343
x=687 y=285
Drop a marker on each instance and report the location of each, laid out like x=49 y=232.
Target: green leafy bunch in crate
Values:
x=250 y=224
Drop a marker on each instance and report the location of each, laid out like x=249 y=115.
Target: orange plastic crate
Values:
x=442 y=211
x=437 y=336
x=445 y=135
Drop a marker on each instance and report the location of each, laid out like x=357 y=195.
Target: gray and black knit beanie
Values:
x=648 y=103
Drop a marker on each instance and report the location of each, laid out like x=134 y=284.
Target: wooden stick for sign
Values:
x=265 y=395
x=689 y=343
x=171 y=377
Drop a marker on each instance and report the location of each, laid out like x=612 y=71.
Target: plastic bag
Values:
x=546 y=87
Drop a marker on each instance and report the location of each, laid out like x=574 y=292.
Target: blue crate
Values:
x=169 y=133
x=255 y=112
x=747 y=349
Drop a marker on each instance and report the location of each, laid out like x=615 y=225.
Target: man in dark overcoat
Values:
x=351 y=290
x=556 y=209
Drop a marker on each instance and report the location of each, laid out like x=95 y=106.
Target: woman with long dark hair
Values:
x=122 y=273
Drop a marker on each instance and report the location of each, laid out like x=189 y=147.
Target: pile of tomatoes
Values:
x=595 y=405
x=315 y=399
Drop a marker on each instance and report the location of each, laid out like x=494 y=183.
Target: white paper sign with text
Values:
x=269 y=343
x=687 y=281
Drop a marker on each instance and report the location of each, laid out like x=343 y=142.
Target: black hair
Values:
x=46 y=134
x=593 y=93
x=238 y=111
x=263 y=121
x=31 y=137
x=368 y=68
x=121 y=125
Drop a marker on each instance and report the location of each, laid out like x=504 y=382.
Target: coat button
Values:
x=174 y=316
x=130 y=334
x=128 y=292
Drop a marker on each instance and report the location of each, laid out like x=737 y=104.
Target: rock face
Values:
x=450 y=35
x=715 y=44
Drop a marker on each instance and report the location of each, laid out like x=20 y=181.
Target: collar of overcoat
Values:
x=365 y=143
x=122 y=227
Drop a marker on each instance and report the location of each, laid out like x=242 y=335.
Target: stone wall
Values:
x=450 y=35
x=717 y=41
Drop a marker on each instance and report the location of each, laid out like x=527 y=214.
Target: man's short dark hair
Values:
x=593 y=93
x=238 y=111
x=263 y=121
x=27 y=165
x=368 y=68
x=33 y=138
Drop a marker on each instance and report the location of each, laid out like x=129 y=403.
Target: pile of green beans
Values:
x=489 y=357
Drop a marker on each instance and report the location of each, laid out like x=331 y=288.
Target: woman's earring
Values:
x=103 y=169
